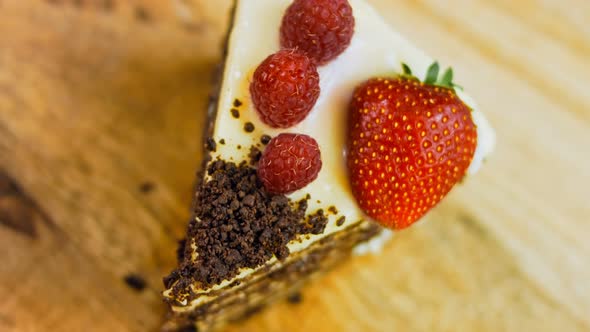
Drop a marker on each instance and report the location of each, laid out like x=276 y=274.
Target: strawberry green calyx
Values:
x=432 y=76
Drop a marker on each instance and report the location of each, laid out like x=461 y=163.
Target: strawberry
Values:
x=409 y=142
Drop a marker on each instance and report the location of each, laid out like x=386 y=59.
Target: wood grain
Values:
x=101 y=105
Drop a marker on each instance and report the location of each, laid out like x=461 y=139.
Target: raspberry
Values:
x=284 y=88
x=320 y=28
x=289 y=163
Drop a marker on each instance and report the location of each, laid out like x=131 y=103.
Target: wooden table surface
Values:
x=101 y=105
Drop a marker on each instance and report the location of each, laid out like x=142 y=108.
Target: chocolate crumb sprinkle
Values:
x=333 y=210
x=316 y=222
x=237 y=103
x=142 y=14
x=340 y=221
x=135 y=282
x=147 y=187
x=235 y=113
x=222 y=141
x=211 y=145
x=254 y=155
x=265 y=139
x=295 y=298
x=107 y=5
x=249 y=127
x=237 y=224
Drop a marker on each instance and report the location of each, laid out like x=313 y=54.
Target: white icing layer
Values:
x=376 y=50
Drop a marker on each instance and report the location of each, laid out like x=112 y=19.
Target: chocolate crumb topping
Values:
x=142 y=14
x=249 y=127
x=237 y=224
x=333 y=210
x=211 y=145
x=108 y=5
x=147 y=187
x=222 y=141
x=135 y=282
x=265 y=139
x=340 y=221
x=180 y=250
x=235 y=113
x=237 y=102
x=295 y=298
x=316 y=222
x=254 y=155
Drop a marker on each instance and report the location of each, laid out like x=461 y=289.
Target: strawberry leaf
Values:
x=432 y=74
x=447 y=79
x=406 y=69
x=457 y=86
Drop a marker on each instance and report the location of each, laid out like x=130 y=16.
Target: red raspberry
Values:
x=320 y=28
x=289 y=163
x=284 y=88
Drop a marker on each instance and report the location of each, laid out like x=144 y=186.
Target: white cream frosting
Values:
x=376 y=50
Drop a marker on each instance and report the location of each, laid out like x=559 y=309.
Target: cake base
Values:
x=273 y=282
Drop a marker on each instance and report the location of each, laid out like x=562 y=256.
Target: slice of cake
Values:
x=327 y=131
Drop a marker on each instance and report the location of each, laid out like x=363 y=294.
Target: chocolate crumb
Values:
x=340 y=221
x=180 y=250
x=254 y=155
x=211 y=145
x=308 y=197
x=222 y=141
x=237 y=102
x=333 y=210
x=249 y=127
x=235 y=113
x=107 y=5
x=316 y=222
x=265 y=139
x=295 y=298
x=319 y=202
x=142 y=14
x=135 y=281
x=239 y=147
x=240 y=225
x=147 y=187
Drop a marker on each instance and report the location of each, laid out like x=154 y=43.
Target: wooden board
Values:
x=101 y=104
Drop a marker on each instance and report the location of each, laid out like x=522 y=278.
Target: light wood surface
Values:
x=101 y=105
